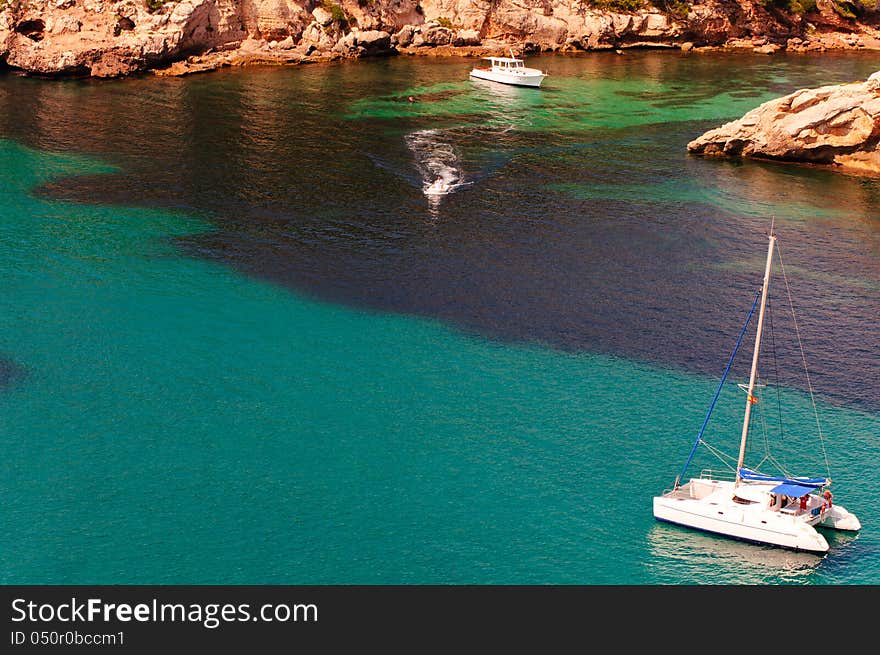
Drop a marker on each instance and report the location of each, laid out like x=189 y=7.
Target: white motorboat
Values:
x=509 y=70
x=772 y=509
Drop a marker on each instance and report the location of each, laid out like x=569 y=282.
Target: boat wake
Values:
x=437 y=162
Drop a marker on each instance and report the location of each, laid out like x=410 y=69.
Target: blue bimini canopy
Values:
x=789 y=489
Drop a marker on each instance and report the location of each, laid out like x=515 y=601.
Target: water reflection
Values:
x=507 y=106
x=508 y=96
x=683 y=556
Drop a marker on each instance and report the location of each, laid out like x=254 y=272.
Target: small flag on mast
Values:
x=753 y=400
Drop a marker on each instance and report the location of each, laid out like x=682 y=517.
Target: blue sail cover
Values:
x=812 y=483
x=795 y=490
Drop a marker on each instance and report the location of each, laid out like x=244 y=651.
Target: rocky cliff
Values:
x=107 y=38
x=834 y=126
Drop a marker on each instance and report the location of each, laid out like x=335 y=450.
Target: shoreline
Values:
x=263 y=53
x=66 y=39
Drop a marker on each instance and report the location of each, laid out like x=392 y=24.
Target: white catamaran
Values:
x=777 y=510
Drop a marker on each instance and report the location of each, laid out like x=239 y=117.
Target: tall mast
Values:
x=749 y=396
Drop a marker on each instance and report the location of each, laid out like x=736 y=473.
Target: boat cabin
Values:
x=506 y=63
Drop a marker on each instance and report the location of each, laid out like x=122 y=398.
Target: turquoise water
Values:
x=242 y=347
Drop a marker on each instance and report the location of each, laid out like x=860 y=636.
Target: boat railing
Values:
x=697 y=490
x=712 y=474
x=681 y=492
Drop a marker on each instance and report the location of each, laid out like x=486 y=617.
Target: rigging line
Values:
x=757 y=467
x=724 y=458
x=763 y=418
x=804 y=359
x=775 y=372
x=718 y=391
x=768 y=454
x=761 y=414
x=777 y=384
x=778 y=465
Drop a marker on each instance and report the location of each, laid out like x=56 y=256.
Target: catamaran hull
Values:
x=840 y=519
x=521 y=79
x=730 y=521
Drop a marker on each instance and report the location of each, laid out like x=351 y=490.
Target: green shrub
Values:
x=675 y=8
x=337 y=13
x=445 y=22
x=848 y=10
x=618 y=5
x=802 y=6
x=799 y=7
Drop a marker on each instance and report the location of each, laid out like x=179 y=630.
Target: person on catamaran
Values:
x=804 y=500
x=828 y=496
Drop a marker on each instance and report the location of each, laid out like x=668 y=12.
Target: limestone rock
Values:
x=110 y=37
x=404 y=37
x=831 y=125
x=466 y=38
x=74 y=37
x=322 y=16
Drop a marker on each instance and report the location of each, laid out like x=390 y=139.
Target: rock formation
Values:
x=108 y=38
x=837 y=126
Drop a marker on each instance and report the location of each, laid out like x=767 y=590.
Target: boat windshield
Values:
x=507 y=63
